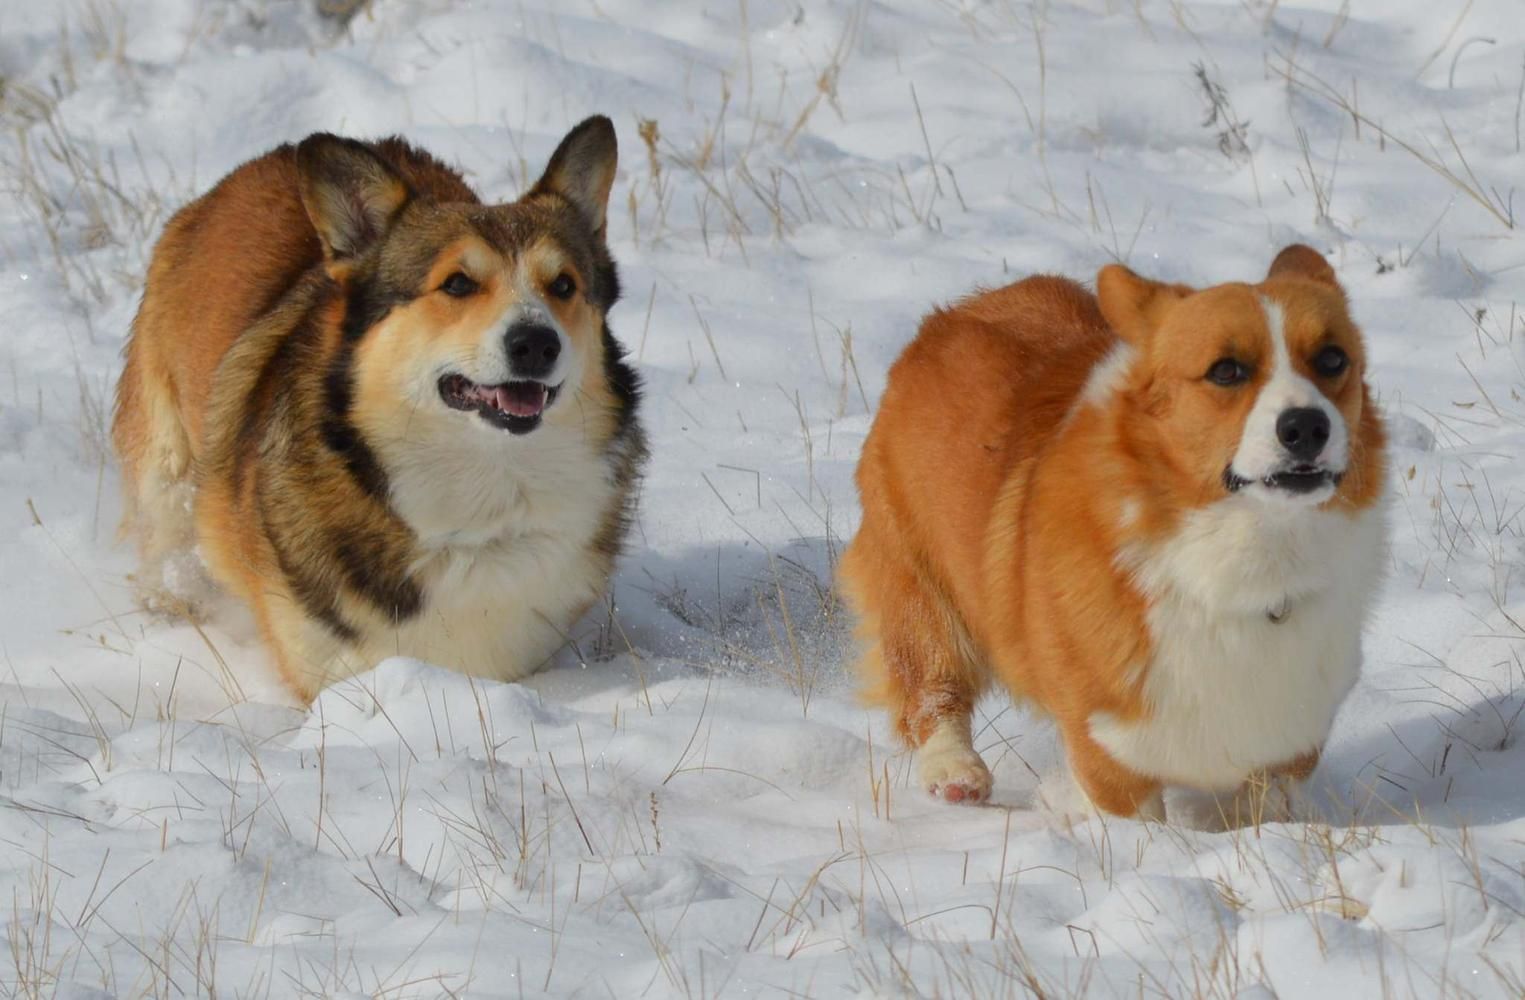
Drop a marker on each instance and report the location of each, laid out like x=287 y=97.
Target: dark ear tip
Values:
x=596 y=127
x=316 y=141
x=325 y=144
x=601 y=123
x=313 y=149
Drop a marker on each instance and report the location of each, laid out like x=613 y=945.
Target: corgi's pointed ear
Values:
x=1304 y=262
x=1133 y=306
x=351 y=194
x=582 y=170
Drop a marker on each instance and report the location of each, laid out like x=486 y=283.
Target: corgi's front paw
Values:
x=951 y=770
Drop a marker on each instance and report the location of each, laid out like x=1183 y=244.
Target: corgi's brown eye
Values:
x=1331 y=361
x=1227 y=371
x=563 y=286
x=459 y=285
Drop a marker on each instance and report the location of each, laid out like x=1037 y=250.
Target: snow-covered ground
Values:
x=691 y=803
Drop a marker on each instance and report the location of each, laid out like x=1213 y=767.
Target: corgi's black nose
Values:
x=1303 y=431
x=532 y=350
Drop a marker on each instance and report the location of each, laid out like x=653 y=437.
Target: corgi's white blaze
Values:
x=490 y=366
x=1260 y=451
x=1230 y=691
x=488 y=363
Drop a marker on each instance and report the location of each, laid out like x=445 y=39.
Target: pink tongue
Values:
x=522 y=399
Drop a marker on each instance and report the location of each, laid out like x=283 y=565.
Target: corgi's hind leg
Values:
x=157 y=488
x=918 y=661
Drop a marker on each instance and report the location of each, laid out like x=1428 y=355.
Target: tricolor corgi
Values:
x=388 y=417
x=1154 y=512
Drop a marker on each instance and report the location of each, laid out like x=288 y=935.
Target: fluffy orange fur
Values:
x=1001 y=504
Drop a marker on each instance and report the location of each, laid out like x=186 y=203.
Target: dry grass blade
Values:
x=1499 y=207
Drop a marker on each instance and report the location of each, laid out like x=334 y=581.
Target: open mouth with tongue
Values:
x=513 y=406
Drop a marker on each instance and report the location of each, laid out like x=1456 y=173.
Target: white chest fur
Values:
x=1230 y=689
x=506 y=541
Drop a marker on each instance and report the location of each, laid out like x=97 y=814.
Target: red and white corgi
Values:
x=1154 y=512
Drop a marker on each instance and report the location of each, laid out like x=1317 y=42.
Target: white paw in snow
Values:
x=949 y=767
